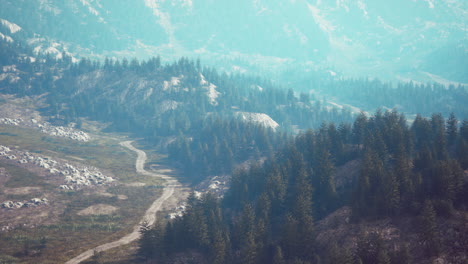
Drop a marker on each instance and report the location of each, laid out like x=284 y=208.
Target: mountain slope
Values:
x=391 y=40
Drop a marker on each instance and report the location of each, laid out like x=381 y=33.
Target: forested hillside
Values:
x=270 y=212
x=357 y=168
x=306 y=131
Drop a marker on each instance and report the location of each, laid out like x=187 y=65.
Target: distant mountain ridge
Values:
x=391 y=40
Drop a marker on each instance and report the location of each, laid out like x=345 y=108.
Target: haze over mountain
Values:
x=306 y=132
x=422 y=40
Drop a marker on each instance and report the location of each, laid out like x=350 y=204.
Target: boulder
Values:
x=7 y=204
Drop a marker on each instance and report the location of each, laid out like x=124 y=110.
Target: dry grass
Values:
x=65 y=232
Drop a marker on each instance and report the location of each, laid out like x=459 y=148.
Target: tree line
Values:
x=269 y=213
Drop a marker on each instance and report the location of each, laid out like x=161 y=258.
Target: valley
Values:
x=170 y=188
x=75 y=216
x=246 y=132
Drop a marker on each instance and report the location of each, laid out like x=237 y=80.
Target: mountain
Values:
x=81 y=79
x=406 y=40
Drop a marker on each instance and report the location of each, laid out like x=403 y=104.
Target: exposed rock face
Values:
x=258 y=118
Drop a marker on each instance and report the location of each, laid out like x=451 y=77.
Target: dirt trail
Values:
x=150 y=214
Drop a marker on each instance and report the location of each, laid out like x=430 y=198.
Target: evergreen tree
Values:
x=452 y=129
x=428 y=229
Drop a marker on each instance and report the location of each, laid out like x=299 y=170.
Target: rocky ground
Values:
x=70 y=176
x=339 y=228
x=217 y=185
x=20 y=112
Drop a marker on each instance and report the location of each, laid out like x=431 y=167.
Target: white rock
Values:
x=7 y=204
x=36 y=200
x=44 y=165
x=17 y=204
x=4 y=148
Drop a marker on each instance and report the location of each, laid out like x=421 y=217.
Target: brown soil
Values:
x=98 y=209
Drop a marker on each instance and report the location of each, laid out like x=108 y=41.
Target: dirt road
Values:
x=150 y=214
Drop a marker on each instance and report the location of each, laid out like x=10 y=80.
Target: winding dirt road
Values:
x=150 y=215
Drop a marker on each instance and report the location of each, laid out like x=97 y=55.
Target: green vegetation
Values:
x=269 y=213
x=65 y=231
x=21 y=177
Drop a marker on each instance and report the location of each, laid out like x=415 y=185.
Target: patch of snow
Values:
x=175 y=81
x=90 y=8
x=12 y=77
x=37 y=49
x=324 y=24
x=443 y=81
x=260 y=7
x=388 y=27
x=168 y=105
x=53 y=51
x=293 y=31
x=6 y=38
x=164 y=20
x=211 y=92
x=430 y=3
x=363 y=8
x=187 y=3
x=342 y=4
x=11 y=26
x=148 y=93
x=200 y=50
x=10 y=68
x=353 y=109
x=45 y=5
x=202 y=80
x=238 y=69
x=259 y=118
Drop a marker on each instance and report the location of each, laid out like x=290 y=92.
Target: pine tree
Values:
x=452 y=129
x=325 y=192
x=371 y=250
x=428 y=229
x=151 y=242
x=402 y=255
x=359 y=128
x=462 y=153
x=219 y=248
x=249 y=250
x=392 y=195
x=278 y=257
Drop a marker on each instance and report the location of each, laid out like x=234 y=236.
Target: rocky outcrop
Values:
x=34 y=202
x=74 y=176
x=47 y=128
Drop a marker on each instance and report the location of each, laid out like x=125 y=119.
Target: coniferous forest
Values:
x=271 y=210
x=321 y=170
